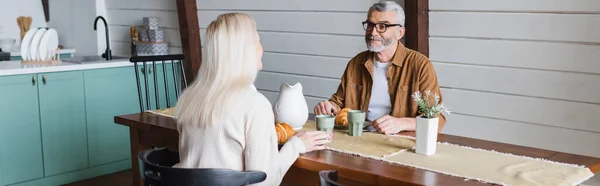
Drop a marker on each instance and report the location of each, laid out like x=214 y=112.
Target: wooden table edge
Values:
x=594 y=168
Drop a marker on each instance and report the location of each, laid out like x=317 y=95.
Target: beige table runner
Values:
x=475 y=164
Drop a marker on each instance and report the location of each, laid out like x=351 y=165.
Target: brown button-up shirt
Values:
x=409 y=72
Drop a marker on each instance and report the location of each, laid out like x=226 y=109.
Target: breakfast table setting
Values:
x=364 y=156
x=455 y=160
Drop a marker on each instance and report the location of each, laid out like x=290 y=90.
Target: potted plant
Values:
x=427 y=122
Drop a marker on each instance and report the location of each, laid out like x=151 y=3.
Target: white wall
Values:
x=122 y=14
x=11 y=9
x=520 y=71
x=74 y=22
x=523 y=72
x=306 y=41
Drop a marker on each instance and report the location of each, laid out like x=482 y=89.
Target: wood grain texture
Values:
x=190 y=37
x=417 y=26
x=135 y=148
x=351 y=168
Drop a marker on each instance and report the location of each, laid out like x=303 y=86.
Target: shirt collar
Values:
x=398 y=58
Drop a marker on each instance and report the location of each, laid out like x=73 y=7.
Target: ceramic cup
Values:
x=356 y=120
x=325 y=123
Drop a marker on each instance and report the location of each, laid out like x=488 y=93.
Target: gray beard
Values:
x=386 y=43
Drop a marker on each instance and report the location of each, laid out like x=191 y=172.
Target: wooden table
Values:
x=149 y=130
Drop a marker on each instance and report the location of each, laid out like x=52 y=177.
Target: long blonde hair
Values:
x=228 y=69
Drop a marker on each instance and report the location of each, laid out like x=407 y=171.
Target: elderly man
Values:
x=382 y=79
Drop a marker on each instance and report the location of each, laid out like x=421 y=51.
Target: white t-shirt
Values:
x=380 y=103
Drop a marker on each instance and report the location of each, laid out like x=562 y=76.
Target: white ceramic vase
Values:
x=426 y=134
x=290 y=106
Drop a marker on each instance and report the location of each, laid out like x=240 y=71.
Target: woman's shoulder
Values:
x=259 y=110
x=256 y=100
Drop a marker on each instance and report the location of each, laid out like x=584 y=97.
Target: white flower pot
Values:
x=426 y=135
x=290 y=106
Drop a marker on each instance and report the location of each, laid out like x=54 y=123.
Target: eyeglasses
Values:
x=380 y=27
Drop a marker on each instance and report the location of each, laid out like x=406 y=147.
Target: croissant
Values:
x=284 y=132
x=342 y=117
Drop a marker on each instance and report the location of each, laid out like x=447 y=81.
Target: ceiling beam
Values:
x=417 y=25
x=189 y=30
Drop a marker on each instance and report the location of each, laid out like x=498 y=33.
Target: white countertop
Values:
x=16 y=68
x=17 y=52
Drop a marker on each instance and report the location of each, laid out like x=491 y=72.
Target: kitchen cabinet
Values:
x=62 y=115
x=58 y=127
x=20 y=137
x=109 y=92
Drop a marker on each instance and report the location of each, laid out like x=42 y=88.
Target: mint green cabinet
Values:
x=57 y=128
x=20 y=138
x=108 y=93
x=62 y=115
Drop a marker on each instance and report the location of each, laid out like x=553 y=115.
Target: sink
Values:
x=93 y=59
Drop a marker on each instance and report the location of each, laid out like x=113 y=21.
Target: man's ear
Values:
x=400 y=33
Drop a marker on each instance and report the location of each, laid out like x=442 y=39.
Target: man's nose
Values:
x=373 y=32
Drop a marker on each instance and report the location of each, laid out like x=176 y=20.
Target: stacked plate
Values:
x=39 y=44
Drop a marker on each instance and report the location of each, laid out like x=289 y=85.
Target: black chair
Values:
x=328 y=178
x=166 y=82
x=158 y=171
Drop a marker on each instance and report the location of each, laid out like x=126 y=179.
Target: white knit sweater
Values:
x=247 y=143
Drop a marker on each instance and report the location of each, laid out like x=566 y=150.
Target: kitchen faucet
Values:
x=107 y=54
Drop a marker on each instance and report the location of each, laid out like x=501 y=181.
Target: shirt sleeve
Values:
x=261 y=151
x=428 y=81
x=338 y=98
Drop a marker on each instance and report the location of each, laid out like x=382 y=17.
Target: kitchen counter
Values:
x=16 y=68
x=73 y=104
x=15 y=54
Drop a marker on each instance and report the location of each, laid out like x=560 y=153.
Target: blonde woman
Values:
x=223 y=121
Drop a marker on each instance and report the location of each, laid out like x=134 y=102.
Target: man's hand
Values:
x=325 y=108
x=391 y=125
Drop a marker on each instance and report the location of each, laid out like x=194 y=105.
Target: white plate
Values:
x=25 y=43
x=35 y=43
x=48 y=44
